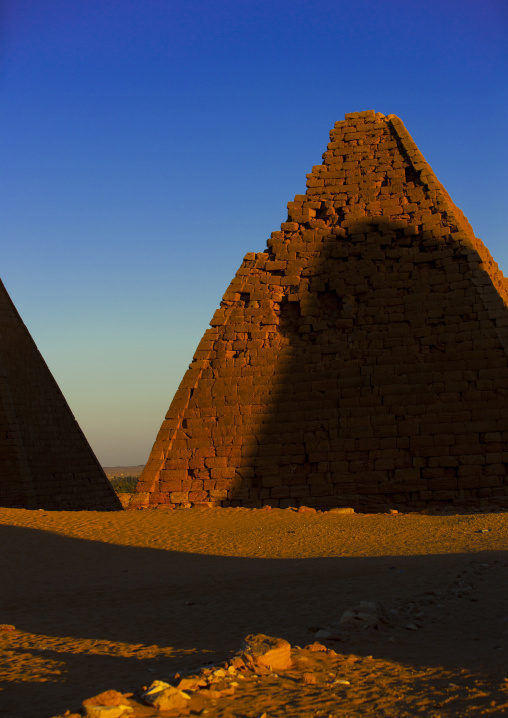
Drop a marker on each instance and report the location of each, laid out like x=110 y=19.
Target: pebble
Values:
x=308 y=679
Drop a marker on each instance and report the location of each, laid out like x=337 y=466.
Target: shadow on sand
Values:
x=194 y=608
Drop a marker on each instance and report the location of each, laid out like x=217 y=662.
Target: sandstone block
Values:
x=263 y=651
x=120 y=711
x=164 y=697
x=179 y=497
x=107 y=698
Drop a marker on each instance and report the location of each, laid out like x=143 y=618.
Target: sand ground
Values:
x=114 y=600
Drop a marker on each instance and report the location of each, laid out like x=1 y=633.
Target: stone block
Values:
x=179 y=497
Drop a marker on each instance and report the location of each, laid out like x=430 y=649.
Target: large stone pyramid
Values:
x=45 y=460
x=360 y=360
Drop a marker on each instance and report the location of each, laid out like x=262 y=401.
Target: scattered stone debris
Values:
x=259 y=656
x=314 y=676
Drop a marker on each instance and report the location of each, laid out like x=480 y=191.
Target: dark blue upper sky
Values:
x=149 y=144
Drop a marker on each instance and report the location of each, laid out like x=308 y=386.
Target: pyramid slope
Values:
x=360 y=360
x=45 y=460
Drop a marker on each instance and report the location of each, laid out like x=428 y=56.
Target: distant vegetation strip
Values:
x=124 y=484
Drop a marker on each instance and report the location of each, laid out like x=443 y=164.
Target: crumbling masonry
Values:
x=45 y=460
x=360 y=360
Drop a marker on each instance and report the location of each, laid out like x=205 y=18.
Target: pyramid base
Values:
x=472 y=499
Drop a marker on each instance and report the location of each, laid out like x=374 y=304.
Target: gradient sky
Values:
x=147 y=145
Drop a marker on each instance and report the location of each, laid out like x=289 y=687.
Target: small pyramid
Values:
x=360 y=360
x=45 y=460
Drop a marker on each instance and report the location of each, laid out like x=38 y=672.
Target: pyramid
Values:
x=360 y=360
x=45 y=460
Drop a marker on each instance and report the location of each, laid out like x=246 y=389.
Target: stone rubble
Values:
x=307 y=674
x=259 y=656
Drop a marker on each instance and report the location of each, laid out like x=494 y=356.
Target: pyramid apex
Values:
x=365 y=114
x=365 y=117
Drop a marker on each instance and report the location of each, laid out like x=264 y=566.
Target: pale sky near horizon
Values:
x=147 y=145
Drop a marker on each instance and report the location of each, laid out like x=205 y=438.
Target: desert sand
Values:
x=115 y=600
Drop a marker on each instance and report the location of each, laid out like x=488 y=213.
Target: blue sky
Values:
x=147 y=145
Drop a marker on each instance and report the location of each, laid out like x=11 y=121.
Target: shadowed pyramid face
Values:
x=45 y=460
x=359 y=361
